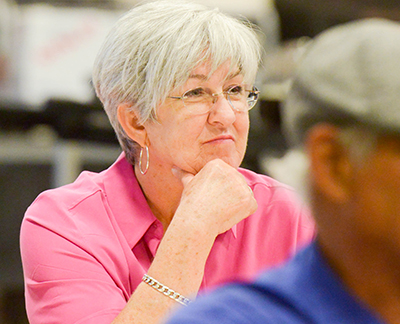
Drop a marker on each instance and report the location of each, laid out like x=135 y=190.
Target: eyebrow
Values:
x=198 y=76
x=204 y=77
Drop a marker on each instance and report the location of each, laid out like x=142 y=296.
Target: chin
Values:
x=233 y=162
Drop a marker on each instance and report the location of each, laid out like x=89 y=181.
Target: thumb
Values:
x=182 y=175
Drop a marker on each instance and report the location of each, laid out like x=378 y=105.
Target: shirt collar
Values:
x=127 y=202
x=317 y=278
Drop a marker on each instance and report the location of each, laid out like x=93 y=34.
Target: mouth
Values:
x=221 y=139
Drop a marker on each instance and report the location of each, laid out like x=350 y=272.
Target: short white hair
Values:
x=153 y=48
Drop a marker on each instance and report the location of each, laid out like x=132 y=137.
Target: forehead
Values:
x=206 y=71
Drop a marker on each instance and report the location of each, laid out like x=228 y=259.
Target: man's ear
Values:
x=330 y=166
x=129 y=120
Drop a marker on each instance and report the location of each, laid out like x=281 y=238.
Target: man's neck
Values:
x=370 y=271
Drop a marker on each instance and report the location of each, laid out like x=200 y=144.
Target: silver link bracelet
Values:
x=165 y=290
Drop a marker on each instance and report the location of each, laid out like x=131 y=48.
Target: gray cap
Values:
x=350 y=73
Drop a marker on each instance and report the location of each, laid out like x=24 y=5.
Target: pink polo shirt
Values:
x=86 y=246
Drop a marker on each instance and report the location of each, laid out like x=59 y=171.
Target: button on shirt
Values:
x=86 y=246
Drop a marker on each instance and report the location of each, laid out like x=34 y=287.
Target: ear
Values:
x=330 y=166
x=129 y=120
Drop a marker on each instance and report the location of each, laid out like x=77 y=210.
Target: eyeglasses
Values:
x=200 y=100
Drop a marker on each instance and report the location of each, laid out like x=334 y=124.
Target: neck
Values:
x=163 y=193
x=368 y=264
x=371 y=271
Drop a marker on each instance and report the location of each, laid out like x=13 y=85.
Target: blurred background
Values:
x=52 y=127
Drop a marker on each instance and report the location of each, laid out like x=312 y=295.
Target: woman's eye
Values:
x=195 y=93
x=236 y=90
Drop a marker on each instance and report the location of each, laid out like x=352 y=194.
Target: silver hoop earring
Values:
x=147 y=160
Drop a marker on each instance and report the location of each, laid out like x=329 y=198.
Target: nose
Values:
x=222 y=111
x=215 y=97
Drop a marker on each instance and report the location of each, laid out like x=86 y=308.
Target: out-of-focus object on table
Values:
x=8 y=12
x=309 y=17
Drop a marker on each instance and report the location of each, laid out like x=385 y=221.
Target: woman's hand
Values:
x=214 y=199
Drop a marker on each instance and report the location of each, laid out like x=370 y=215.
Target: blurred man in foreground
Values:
x=344 y=107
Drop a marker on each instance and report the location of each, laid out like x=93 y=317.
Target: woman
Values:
x=171 y=215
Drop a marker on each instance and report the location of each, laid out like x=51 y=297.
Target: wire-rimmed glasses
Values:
x=200 y=100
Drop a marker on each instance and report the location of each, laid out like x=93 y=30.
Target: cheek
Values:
x=185 y=134
x=386 y=183
x=242 y=129
x=378 y=202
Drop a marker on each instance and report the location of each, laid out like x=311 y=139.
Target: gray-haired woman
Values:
x=171 y=216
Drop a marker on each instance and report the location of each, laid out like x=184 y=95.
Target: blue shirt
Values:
x=305 y=290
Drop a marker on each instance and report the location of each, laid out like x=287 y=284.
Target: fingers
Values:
x=216 y=198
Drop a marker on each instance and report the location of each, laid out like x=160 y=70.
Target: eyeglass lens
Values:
x=201 y=101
